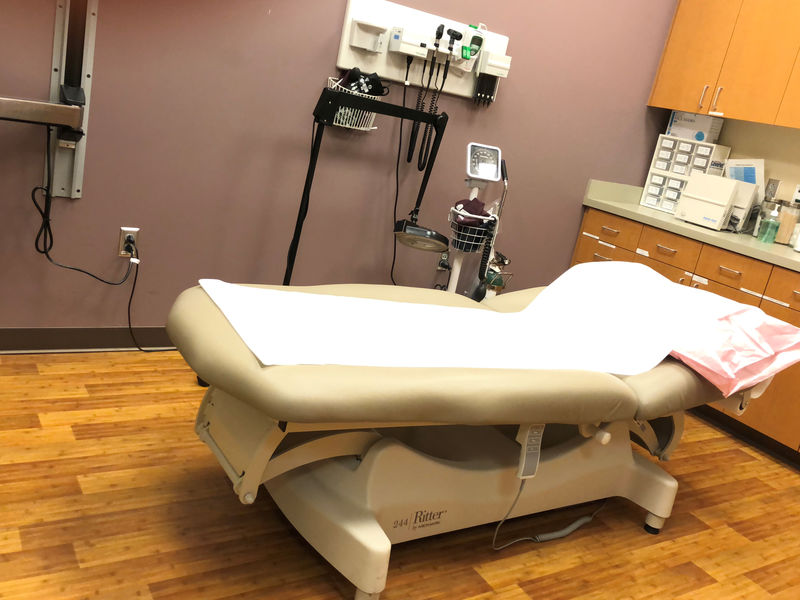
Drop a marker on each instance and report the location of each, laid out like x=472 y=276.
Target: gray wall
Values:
x=200 y=129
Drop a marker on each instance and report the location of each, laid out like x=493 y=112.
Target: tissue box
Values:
x=700 y=128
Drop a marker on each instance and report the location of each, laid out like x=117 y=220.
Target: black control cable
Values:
x=409 y=60
x=427 y=135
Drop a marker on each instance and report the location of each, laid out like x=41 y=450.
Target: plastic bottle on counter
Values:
x=795 y=236
x=770 y=223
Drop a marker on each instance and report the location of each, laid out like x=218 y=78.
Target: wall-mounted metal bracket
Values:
x=69 y=153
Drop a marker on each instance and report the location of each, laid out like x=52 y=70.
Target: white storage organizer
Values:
x=674 y=160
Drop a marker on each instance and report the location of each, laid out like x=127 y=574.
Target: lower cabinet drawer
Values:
x=733 y=270
x=784 y=286
x=726 y=291
x=591 y=250
x=665 y=247
x=672 y=273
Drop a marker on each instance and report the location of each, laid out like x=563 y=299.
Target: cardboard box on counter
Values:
x=699 y=128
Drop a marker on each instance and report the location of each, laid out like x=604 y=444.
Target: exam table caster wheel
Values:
x=653 y=524
x=202 y=383
x=651 y=530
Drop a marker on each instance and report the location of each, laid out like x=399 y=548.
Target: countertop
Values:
x=623 y=200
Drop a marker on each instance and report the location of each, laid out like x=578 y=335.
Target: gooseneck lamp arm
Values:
x=330 y=101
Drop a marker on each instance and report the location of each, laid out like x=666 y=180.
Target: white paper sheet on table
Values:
x=618 y=317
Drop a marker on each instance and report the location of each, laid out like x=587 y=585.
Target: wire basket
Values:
x=352 y=118
x=468 y=238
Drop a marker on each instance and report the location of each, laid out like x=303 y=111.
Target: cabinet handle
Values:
x=666 y=249
x=609 y=229
x=702 y=96
x=682 y=279
x=729 y=270
x=796 y=292
x=601 y=257
x=716 y=98
x=695 y=285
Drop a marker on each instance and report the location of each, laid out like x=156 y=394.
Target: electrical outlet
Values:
x=124 y=232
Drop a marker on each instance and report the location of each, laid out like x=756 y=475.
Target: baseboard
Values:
x=63 y=339
x=755 y=438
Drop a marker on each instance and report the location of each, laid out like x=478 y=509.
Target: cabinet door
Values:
x=693 y=55
x=759 y=61
x=789 y=112
x=777 y=412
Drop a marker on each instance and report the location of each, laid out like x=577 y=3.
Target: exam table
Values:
x=360 y=458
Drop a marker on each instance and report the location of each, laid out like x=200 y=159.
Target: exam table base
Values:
x=351 y=510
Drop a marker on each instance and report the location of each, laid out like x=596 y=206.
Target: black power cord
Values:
x=44 y=237
x=44 y=240
x=131 y=247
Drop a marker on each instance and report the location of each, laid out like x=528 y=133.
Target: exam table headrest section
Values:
x=333 y=393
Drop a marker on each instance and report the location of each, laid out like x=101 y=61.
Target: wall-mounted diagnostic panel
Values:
x=379 y=36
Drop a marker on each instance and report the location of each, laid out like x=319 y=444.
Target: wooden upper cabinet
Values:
x=694 y=53
x=759 y=61
x=789 y=112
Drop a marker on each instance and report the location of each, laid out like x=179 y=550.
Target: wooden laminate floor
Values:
x=105 y=492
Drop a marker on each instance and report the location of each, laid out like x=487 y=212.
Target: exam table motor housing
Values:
x=360 y=458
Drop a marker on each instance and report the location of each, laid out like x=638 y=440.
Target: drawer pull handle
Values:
x=601 y=257
x=796 y=292
x=716 y=98
x=610 y=229
x=682 y=279
x=729 y=270
x=695 y=285
x=666 y=249
x=702 y=96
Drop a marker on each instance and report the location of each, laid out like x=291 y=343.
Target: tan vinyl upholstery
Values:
x=342 y=394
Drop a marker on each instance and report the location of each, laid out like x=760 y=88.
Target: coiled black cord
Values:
x=44 y=237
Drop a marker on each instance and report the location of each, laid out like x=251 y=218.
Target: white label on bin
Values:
x=666 y=154
x=682 y=158
x=667 y=143
x=672 y=194
x=657 y=179
x=695 y=171
x=685 y=147
x=704 y=150
x=661 y=164
x=700 y=162
x=675 y=184
x=594 y=237
x=667 y=205
x=700 y=280
x=642 y=252
x=679 y=169
x=656 y=191
x=651 y=201
x=606 y=244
